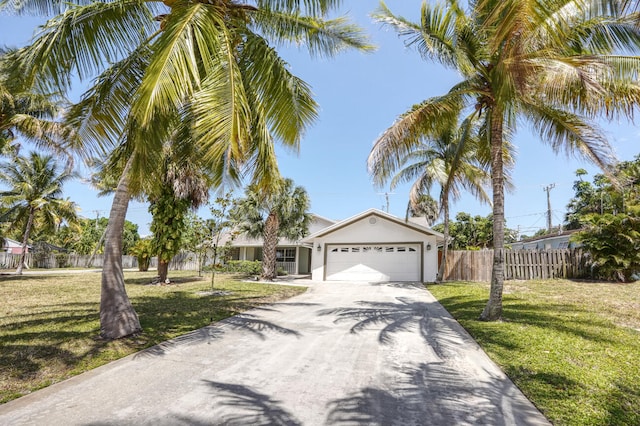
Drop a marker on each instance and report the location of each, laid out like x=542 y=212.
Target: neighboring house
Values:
x=13 y=247
x=374 y=246
x=547 y=242
x=292 y=256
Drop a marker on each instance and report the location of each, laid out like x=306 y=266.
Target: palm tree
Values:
x=33 y=199
x=31 y=116
x=557 y=64
x=453 y=157
x=423 y=205
x=280 y=213
x=179 y=187
x=205 y=71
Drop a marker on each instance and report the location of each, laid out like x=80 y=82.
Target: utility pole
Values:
x=386 y=197
x=548 y=189
x=97 y=217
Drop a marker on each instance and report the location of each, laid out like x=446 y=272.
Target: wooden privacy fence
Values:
x=181 y=262
x=519 y=264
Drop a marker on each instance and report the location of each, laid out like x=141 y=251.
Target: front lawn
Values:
x=573 y=348
x=49 y=324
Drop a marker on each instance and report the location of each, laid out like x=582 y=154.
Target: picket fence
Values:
x=519 y=264
x=181 y=262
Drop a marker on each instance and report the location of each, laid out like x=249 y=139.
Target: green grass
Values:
x=49 y=325
x=573 y=348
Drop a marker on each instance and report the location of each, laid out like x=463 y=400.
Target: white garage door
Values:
x=398 y=262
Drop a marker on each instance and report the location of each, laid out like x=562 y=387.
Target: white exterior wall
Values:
x=383 y=231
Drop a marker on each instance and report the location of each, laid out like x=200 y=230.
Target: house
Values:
x=13 y=247
x=560 y=240
x=374 y=246
x=371 y=246
x=292 y=256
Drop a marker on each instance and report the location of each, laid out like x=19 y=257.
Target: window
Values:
x=233 y=254
x=286 y=255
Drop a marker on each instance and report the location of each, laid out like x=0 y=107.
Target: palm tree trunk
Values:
x=117 y=316
x=163 y=270
x=493 y=309
x=25 y=241
x=445 y=210
x=95 y=250
x=271 y=226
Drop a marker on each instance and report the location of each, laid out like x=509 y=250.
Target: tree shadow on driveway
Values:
x=246 y=322
x=432 y=394
x=249 y=407
x=429 y=319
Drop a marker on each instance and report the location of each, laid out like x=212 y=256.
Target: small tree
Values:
x=194 y=237
x=218 y=225
x=143 y=251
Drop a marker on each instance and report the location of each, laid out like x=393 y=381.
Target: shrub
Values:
x=143 y=251
x=248 y=267
x=62 y=259
x=613 y=241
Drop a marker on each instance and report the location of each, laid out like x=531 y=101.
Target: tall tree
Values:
x=34 y=197
x=424 y=206
x=31 y=115
x=557 y=64
x=182 y=186
x=279 y=213
x=202 y=71
x=453 y=157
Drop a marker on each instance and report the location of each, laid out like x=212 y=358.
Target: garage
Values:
x=374 y=246
x=385 y=262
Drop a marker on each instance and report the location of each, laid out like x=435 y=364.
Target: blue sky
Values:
x=360 y=95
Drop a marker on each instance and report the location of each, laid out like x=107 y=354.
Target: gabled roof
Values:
x=8 y=243
x=374 y=212
x=552 y=236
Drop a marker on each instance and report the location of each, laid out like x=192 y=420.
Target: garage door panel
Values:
x=373 y=263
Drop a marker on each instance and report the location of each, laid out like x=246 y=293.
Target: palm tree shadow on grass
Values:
x=531 y=314
x=246 y=406
x=435 y=325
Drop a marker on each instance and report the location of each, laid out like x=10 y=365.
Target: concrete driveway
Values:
x=340 y=354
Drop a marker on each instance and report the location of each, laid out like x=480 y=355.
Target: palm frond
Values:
x=101 y=114
x=186 y=51
x=285 y=100
x=405 y=134
x=83 y=39
x=568 y=132
x=38 y=7
x=308 y=7
x=322 y=38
